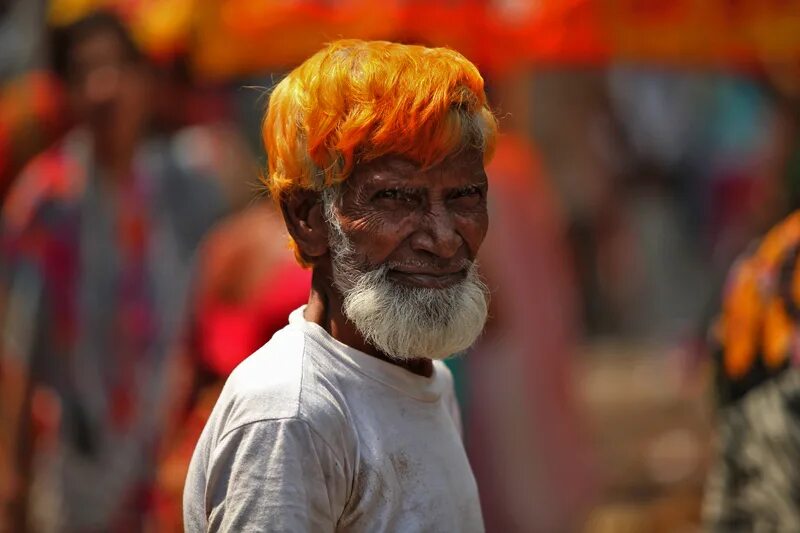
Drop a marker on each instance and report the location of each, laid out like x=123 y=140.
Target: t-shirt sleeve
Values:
x=274 y=475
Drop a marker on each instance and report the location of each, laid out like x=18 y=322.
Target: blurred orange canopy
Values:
x=702 y=33
x=229 y=38
x=232 y=37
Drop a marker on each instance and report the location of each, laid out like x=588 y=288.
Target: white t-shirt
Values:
x=312 y=435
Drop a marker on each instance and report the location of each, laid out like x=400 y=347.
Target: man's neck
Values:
x=325 y=309
x=114 y=152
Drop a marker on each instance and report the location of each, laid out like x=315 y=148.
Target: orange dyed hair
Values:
x=358 y=100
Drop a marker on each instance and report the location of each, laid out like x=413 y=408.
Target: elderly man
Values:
x=346 y=420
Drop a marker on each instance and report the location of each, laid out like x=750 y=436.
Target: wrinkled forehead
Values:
x=464 y=167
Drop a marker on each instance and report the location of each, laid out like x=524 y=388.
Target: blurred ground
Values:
x=650 y=424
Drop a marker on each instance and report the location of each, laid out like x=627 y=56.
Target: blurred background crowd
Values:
x=645 y=145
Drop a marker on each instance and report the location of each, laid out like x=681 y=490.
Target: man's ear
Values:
x=305 y=219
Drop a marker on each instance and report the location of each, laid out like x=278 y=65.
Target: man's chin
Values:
x=408 y=314
x=436 y=348
x=421 y=333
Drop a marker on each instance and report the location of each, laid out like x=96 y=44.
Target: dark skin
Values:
x=112 y=96
x=426 y=224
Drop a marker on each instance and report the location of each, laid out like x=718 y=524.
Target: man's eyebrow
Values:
x=405 y=189
x=482 y=185
x=389 y=177
x=479 y=179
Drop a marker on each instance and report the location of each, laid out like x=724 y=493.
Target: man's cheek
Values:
x=378 y=240
x=473 y=231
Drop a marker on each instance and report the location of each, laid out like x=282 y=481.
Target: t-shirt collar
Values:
x=391 y=375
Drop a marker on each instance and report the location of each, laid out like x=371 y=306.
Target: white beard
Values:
x=407 y=322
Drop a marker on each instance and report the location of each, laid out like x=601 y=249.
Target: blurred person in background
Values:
x=754 y=483
x=98 y=240
x=346 y=419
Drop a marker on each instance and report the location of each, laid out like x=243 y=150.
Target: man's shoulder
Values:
x=54 y=177
x=281 y=381
x=267 y=384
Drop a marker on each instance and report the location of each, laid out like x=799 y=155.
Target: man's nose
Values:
x=101 y=85
x=438 y=234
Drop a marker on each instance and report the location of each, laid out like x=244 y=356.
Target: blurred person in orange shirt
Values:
x=754 y=482
x=99 y=235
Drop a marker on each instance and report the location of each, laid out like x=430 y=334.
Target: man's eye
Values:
x=474 y=191
x=388 y=193
x=395 y=194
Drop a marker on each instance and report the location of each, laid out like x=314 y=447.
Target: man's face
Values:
x=403 y=244
x=108 y=91
x=425 y=225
